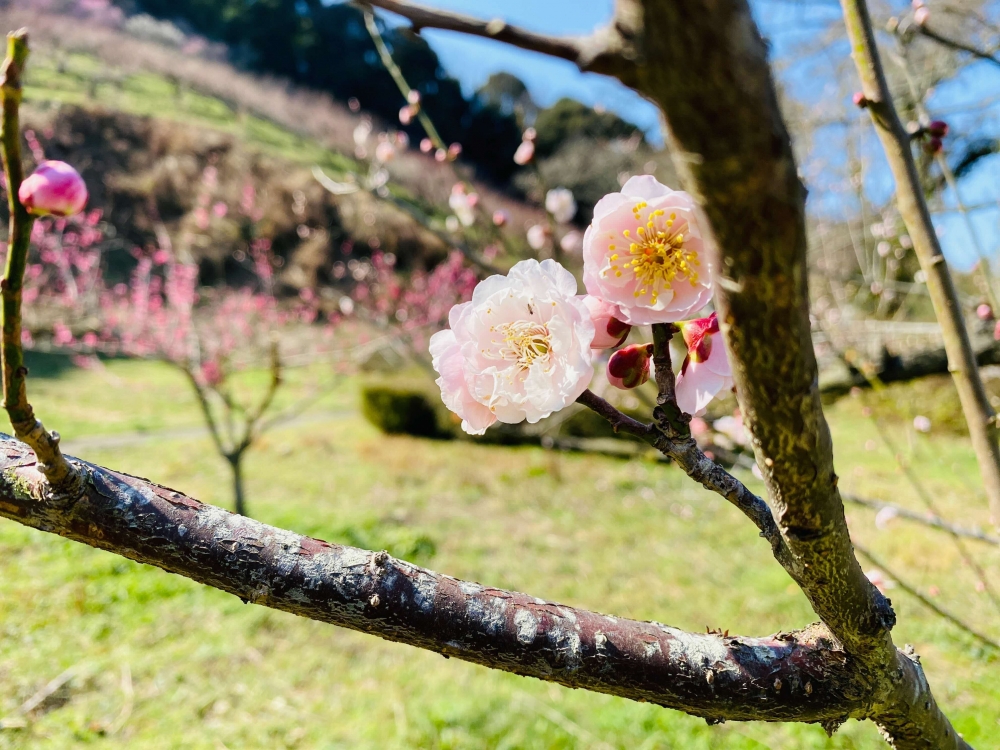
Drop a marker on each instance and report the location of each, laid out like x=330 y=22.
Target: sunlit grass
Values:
x=636 y=539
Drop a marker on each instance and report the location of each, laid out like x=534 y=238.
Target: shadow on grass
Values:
x=48 y=364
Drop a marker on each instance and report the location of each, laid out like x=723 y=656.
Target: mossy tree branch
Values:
x=61 y=475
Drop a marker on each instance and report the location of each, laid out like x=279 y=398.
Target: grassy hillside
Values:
x=161 y=662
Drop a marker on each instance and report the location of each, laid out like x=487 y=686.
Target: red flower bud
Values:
x=933 y=145
x=938 y=128
x=54 y=188
x=629 y=367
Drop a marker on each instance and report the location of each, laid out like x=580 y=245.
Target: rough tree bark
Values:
x=795 y=676
x=705 y=64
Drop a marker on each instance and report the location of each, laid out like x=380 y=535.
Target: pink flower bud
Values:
x=406 y=114
x=984 y=312
x=938 y=128
x=629 y=367
x=860 y=100
x=608 y=330
x=500 y=217
x=440 y=155
x=525 y=153
x=413 y=97
x=426 y=145
x=921 y=15
x=384 y=152
x=454 y=150
x=54 y=188
x=529 y=134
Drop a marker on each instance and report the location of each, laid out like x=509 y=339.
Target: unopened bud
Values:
x=55 y=188
x=933 y=145
x=454 y=150
x=921 y=15
x=609 y=331
x=500 y=217
x=525 y=153
x=938 y=128
x=860 y=100
x=426 y=145
x=984 y=312
x=629 y=366
x=413 y=96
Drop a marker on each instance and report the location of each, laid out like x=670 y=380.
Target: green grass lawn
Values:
x=635 y=539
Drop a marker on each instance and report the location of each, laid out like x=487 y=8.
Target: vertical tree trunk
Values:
x=236 y=464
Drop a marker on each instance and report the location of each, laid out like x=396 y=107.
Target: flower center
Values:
x=656 y=253
x=524 y=342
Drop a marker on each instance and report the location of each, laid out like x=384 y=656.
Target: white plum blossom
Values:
x=538 y=236
x=644 y=252
x=520 y=350
x=706 y=370
x=463 y=204
x=561 y=204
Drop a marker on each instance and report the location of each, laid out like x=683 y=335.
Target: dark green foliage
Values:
x=401 y=411
x=568 y=119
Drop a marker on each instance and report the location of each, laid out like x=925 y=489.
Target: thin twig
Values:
x=397 y=75
x=924 y=600
x=932 y=521
x=671 y=435
x=979 y=414
x=928 y=501
x=62 y=476
x=957 y=45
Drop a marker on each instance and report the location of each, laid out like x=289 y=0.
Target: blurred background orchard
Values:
x=286 y=200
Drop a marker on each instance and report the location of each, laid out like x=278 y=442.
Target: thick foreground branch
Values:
x=800 y=676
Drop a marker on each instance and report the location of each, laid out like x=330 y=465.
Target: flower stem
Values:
x=57 y=470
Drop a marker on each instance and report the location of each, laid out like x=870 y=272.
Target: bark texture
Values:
x=796 y=676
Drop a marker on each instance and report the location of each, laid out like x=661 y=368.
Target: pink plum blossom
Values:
x=608 y=330
x=55 y=188
x=571 y=242
x=644 y=252
x=525 y=153
x=706 y=370
x=519 y=350
x=385 y=151
x=629 y=367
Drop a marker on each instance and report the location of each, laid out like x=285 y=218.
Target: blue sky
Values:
x=804 y=70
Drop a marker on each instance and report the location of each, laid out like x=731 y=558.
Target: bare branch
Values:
x=933 y=521
x=979 y=415
x=958 y=45
x=51 y=462
x=799 y=676
x=912 y=591
x=608 y=51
